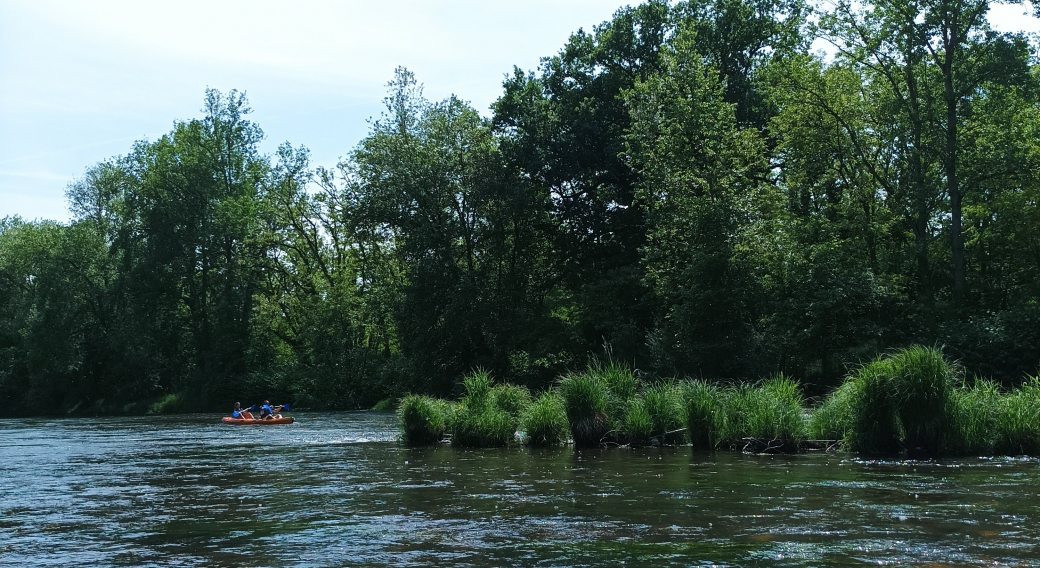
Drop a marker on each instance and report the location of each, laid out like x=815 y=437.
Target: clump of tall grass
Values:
x=1018 y=421
x=922 y=384
x=544 y=421
x=656 y=416
x=622 y=387
x=704 y=413
x=834 y=418
x=973 y=415
x=765 y=418
x=875 y=422
x=487 y=416
x=422 y=419
x=585 y=399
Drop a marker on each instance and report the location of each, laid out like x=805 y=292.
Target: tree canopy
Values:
x=687 y=187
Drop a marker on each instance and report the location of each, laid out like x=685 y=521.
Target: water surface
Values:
x=336 y=490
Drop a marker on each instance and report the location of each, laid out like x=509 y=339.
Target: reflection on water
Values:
x=335 y=490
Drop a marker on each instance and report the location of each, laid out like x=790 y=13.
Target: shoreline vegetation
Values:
x=914 y=402
x=687 y=186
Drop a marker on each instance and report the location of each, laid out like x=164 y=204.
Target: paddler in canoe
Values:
x=268 y=415
x=239 y=413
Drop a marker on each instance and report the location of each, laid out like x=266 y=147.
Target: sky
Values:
x=81 y=81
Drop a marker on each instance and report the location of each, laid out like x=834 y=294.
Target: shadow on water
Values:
x=335 y=490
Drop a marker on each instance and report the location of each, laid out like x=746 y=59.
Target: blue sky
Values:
x=81 y=81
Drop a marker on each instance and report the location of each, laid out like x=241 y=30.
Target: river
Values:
x=337 y=490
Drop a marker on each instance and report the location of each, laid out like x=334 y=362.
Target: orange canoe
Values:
x=257 y=421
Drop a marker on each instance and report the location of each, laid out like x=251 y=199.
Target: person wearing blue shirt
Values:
x=238 y=412
x=267 y=412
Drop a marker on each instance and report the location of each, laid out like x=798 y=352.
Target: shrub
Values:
x=621 y=385
x=544 y=422
x=478 y=388
x=703 y=413
x=585 y=402
x=422 y=420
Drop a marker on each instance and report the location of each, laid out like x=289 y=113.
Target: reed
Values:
x=704 y=413
x=422 y=420
x=544 y=421
x=585 y=399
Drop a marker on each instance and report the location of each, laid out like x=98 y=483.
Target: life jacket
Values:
x=235 y=414
x=266 y=410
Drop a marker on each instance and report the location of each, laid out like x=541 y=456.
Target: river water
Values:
x=336 y=490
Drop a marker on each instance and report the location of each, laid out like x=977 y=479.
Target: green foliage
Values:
x=511 y=399
x=622 y=387
x=920 y=386
x=685 y=182
x=487 y=416
x=638 y=424
x=835 y=417
x=544 y=422
x=655 y=416
x=876 y=428
x=769 y=417
x=422 y=420
x=974 y=414
x=585 y=398
x=704 y=412
x=1018 y=421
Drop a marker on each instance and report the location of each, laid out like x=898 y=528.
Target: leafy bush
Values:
x=488 y=415
x=544 y=422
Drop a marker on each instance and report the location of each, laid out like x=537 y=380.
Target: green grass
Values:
x=973 y=416
x=1018 y=421
x=834 y=418
x=585 y=399
x=422 y=420
x=769 y=417
x=703 y=412
x=875 y=423
x=544 y=422
x=921 y=384
x=511 y=399
x=487 y=416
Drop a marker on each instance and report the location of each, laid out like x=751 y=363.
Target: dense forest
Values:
x=719 y=189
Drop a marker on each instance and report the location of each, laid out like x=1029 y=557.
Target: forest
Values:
x=719 y=190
